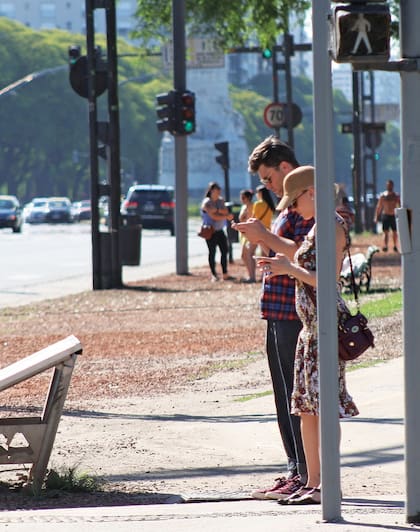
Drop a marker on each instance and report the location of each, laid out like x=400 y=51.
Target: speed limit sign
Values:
x=274 y=115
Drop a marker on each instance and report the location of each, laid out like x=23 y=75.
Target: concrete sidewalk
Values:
x=372 y=451
x=234 y=516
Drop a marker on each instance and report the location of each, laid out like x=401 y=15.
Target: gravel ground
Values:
x=143 y=347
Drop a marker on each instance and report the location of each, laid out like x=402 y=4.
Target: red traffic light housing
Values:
x=176 y=112
x=360 y=32
x=185 y=113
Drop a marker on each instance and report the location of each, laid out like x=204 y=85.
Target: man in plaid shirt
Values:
x=273 y=160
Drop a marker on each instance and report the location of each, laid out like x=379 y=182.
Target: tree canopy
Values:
x=232 y=22
x=44 y=147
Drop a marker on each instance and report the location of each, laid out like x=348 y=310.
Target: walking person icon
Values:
x=363 y=27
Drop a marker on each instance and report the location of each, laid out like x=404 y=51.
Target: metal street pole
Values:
x=275 y=85
x=357 y=153
x=326 y=274
x=97 y=279
x=288 y=51
x=114 y=164
x=409 y=230
x=181 y=166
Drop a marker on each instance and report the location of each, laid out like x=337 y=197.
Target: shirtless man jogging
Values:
x=385 y=210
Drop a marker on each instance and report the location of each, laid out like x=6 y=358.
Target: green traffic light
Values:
x=188 y=126
x=267 y=53
x=376 y=156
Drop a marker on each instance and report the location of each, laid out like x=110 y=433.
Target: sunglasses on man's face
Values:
x=267 y=180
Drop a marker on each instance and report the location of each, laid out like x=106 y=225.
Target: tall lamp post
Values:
x=20 y=83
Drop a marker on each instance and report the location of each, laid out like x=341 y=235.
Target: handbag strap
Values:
x=264 y=213
x=310 y=290
x=353 y=282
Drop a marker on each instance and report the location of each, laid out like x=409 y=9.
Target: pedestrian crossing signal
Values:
x=360 y=33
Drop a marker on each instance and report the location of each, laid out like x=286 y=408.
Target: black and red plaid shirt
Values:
x=278 y=294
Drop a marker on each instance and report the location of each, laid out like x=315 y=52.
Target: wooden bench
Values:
x=39 y=432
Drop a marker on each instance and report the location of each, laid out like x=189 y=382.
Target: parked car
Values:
x=153 y=204
x=81 y=210
x=36 y=211
x=59 y=210
x=11 y=213
x=49 y=210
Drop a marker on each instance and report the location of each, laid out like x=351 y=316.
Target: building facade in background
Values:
x=66 y=15
x=216 y=122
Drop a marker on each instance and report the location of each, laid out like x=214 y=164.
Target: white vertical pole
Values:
x=327 y=304
x=410 y=144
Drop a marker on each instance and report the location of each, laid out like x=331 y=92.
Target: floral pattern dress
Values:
x=305 y=396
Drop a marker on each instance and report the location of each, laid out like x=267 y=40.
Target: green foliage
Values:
x=70 y=480
x=389 y=163
x=232 y=22
x=251 y=101
x=47 y=122
x=193 y=210
x=251 y=106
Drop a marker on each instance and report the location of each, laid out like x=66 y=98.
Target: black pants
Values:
x=218 y=240
x=281 y=345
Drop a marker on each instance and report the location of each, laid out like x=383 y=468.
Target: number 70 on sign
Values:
x=275 y=115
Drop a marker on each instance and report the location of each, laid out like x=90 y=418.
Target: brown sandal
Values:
x=306 y=496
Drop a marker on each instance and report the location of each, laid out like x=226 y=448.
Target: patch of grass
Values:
x=383 y=307
x=194 y=210
x=216 y=366
x=70 y=480
x=251 y=396
x=364 y=364
x=380 y=306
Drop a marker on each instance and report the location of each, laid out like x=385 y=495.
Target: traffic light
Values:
x=267 y=53
x=74 y=54
x=347 y=127
x=185 y=115
x=166 y=111
x=223 y=159
x=360 y=32
x=78 y=74
x=176 y=112
x=373 y=133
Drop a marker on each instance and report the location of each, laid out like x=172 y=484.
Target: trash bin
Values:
x=130 y=240
x=235 y=209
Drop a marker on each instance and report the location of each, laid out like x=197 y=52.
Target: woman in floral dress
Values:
x=300 y=194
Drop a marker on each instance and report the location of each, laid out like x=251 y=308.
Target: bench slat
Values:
x=47 y=358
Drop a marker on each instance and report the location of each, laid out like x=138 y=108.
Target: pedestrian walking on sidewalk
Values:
x=215 y=213
x=272 y=160
x=299 y=194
